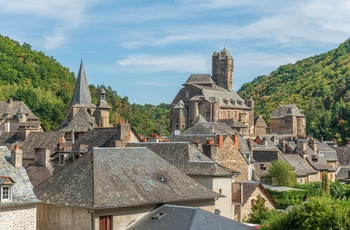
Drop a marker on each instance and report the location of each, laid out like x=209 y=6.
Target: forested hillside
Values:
x=318 y=85
x=46 y=87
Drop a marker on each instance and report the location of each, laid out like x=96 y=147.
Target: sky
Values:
x=146 y=49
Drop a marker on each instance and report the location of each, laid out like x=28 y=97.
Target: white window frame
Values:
x=9 y=195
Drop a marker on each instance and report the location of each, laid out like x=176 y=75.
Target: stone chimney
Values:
x=42 y=156
x=210 y=149
x=124 y=131
x=16 y=156
x=313 y=145
x=197 y=144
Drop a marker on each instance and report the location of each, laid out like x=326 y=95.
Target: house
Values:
x=82 y=115
x=110 y=188
x=288 y=119
x=17 y=199
x=15 y=115
x=212 y=97
x=260 y=125
x=199 y=167
x=251 y=191
x=174 y=217
x=233 y=151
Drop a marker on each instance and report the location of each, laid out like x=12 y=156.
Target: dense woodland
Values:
x=318 y=85
x=47 y=87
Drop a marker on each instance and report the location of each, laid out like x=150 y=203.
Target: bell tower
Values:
x=222 y=69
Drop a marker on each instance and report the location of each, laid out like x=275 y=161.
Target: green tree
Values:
x=318 y=213
x=281 y=174
x=325 y=183
x=260 y=212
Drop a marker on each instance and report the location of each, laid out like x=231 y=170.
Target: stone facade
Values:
x=18 y=217
x=288 y=119
x=213 y=98
x=247 y=206
x=229 y=156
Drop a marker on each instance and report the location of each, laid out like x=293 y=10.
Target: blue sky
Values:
x=146 y=49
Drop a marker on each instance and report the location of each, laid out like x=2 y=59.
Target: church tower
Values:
x=102 y=110
x=81 y=96
x=222 y=69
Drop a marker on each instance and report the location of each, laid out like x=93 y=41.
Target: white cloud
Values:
x=180 y=63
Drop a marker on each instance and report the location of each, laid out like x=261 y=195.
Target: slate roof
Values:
x=320 y=164
x=300 y=165
x=11 y=108
x=234 y=123
x=132 y=177
x=330 y=153
x=286 y=110
x=22 y=188
x=98 y=137
x=186 y=157
x=81 y=94
x=81 y=122
x=343 y=155
x=46 y=140
x=260 y=121
x=205 y=128
x=199 y=79
x=342 y=173
x=267 y=154
x=260 y=172
x=173 y=217
x=8 y=138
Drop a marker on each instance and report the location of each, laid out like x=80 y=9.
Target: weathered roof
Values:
x=10 y=108
x=267 y=154
x=261 y=168
x=300 y=165
x=38 y=173
x=172 y=217
x=342 y=173
x=97 y=137
x=179 y=105
x=207 y=128
x=147 y=178
x=199 y=79
x=22 y=188
x=8 y=138
x=329 y=153
x=343 y=155
x=46 y=140
x=81 y=94
x=260 y=121
x=186 y=157
x=233 y=123
x=286 y=110
x=81 y=122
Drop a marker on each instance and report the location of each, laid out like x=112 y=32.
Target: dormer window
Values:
x=225 y=101
x=232 y=102
x=239 y=102
x=6 y=184
x=6 y=193
x=314 y=158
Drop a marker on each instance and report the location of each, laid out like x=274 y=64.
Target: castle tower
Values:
x=81 y=96
x=222 y=69
x=21 y=115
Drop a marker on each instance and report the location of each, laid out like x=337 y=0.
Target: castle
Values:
x=213 y=98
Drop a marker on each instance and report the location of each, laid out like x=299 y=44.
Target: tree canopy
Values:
x=281 y=173
x=318 y=85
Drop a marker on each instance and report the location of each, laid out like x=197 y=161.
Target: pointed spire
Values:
x=81 y=93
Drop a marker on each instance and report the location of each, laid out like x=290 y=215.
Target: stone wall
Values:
x=232 y=158
x=18 y=217
x=247 y=207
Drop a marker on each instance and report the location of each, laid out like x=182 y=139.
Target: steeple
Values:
x=81 y=93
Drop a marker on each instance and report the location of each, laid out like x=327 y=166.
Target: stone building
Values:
x=288 y=119
x=82 y=115
x=213 y=98
x=17 y=199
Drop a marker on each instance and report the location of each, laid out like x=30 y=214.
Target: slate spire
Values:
x=81 y=93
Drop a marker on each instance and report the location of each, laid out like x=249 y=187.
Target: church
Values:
x=213 y=98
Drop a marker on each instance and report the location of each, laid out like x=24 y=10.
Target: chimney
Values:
x=124 y=131
x=197 y=144
x=313 y=145
x=42 y=156
x=220 y=140
x=211 y=130
x=210 y=149
x=16 y=156
x=7 y=127
x=265 y=143
x=236 y=141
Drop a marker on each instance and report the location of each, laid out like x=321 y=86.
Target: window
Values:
x=105 y=223
x=207 y=114
x=6 y=193
x=228 y=113
x=220 y=191
x=236 y=114
x=252 y=202
x=220 y=113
